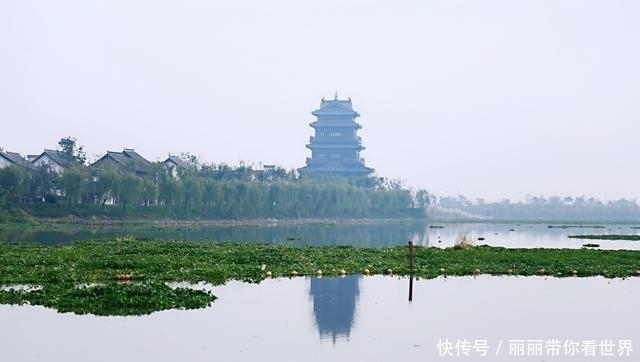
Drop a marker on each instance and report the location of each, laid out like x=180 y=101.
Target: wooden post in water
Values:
x=410 y=270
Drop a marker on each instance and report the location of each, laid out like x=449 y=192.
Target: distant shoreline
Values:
x=267 y=222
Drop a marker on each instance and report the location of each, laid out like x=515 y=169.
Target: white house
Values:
x=175 y=165
x=55 y=160
x=11 y=158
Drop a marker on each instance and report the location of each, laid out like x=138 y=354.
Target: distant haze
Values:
x=491 y=99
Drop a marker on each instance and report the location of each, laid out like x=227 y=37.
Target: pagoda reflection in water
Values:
x=334 y=304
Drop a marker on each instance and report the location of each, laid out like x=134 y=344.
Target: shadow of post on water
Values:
x=410 y=270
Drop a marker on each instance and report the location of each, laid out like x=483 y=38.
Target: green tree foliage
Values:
x=73 y=183
x=422 y=198
x=71 y=150
x=218 y=192
x=128 y=190
x=14 y=181
x=540 y=208
x=104 y=186
x=168 y=190
x=43 y=184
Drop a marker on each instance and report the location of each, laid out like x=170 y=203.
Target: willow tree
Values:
x=73 y=182
x=14 y=181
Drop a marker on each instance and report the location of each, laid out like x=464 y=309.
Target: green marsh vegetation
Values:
x=130 y=276
x=109 y=298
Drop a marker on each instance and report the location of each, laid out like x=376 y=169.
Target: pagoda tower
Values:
x=335 y=147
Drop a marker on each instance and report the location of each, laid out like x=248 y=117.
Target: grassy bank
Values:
x=127 y=276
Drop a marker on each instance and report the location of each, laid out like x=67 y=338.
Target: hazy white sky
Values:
x=493 y=99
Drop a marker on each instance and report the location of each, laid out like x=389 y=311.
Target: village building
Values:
x=56 y=161
x=127 y=160
x=175 y=165
x=11 y=158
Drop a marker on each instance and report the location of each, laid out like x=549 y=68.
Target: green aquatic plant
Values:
x=111 y=298
x=149 y=265
x=214 y=263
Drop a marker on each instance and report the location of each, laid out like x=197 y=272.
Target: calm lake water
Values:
x=509 y=235
x=354 y=318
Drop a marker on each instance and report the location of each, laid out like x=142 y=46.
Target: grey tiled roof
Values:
x=126 y=158
x=139 y=160
x=178 y=161
x=119 y=157
x=58 y=157
x=14 y=158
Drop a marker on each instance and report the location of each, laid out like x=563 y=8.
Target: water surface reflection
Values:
x=289 y=320
x=334 y=304
x=365 y=234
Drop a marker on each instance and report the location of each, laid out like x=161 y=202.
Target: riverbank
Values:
x=74 y=221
